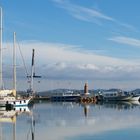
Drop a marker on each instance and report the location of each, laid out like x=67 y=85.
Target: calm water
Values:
x=72 y=121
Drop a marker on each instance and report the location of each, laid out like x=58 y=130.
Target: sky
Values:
x=76 y=41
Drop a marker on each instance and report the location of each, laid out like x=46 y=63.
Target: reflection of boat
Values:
x=7 y=116
x=135 y=102
x=11 y=117
x=120 y=105
x=68 y=96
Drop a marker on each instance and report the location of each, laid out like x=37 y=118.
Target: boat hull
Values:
x=118 y=98
x=135 y=98
x=15 y=103
x=123 y=98
x=65 y=98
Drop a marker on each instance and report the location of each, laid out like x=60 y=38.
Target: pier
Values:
x=85 y=97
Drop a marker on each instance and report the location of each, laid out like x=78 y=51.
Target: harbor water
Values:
x=72 y=121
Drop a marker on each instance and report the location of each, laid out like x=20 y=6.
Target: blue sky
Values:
x=97 y=40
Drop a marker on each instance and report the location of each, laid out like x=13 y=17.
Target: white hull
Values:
x=15 y=102
x=20 y=102
x=117 y=98
x=135 y=98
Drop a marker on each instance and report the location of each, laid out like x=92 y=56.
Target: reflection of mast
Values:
x=32 y=127
x=31 y=133
x=1 y=131
x=14 y=131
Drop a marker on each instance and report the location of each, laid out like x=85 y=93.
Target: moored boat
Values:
x=118 y=96
x=11 y=100
x=9 y=97
x=68 y=96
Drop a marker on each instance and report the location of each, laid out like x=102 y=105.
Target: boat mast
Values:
x=14 y=64
x=32 y=71
x=1 y=78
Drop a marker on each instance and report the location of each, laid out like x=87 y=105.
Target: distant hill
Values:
x=57 y=91
x=136 y=91
x=60 y=91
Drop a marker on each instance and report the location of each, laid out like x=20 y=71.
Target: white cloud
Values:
x=88 y=67
x=83 y=13
x=64 y=61
x=68 y=61
x=70 y=54
x=92 y=15
x=126 y=40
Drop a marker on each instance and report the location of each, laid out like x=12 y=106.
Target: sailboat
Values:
x=12 y=99
x=3 y=92
x=9 y=97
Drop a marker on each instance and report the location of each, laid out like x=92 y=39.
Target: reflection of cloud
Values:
x=102 y=120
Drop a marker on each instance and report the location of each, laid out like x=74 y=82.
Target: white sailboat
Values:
x=9 y=96
x=3 y=92
x=12 y=98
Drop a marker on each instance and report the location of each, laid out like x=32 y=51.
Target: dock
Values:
x=85 y=98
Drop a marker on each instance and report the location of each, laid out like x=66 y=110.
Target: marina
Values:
x=86 y=97
x=69 y=70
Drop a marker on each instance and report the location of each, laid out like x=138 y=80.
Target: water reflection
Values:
x=67 y=120
x=8 y=118
x=120 y=105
